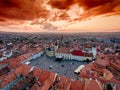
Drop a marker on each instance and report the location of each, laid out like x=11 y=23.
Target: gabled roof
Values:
x=8 y=79
x=63 y=50
x=18 y=70
x=62 y=83
x=115 y=65
x=20 y=58
x=102 y=62
x=77 y=53
x=3 y=76
x=44 y=75
x=15 y=64
x=45 y=86
x=109 y=75
x=92 y=85
x=25 y=70
x=28 y=55
x=46 y=79
x=52 y=78
x=36 y=72
x=76 y=85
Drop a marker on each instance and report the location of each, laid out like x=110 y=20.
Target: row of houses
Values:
x=37 y=52
x=70 y=54
x=31 y=55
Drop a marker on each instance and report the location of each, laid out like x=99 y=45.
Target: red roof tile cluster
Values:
x=94 y=74
x=101 y=70
x=25 y=82
x=9 y=78
x=45 y=80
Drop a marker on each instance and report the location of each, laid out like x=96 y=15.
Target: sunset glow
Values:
x=60 y=16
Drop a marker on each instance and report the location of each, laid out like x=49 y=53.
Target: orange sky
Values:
x=60 y=16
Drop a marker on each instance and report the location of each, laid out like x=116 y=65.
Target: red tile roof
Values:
x=20 y=58
x=13 y=64
x=51 y=78
x=92 y=85
x=102 y=62
x=25 y=70
x=18 y=70
x=63 y=50
x=46 y=79
x=77 y=53
x=115 y=65
x=28 y=55
x=62 y=83
x=8 y=79
x=36 y=72
x=76 y=85
x=44 y=76
x=45 y=86
x=3 y=76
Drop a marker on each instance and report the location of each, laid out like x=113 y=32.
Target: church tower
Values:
x=61 y=40
x=94 y=51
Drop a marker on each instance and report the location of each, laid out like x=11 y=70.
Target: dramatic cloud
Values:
x=90 y=7
x=49 y=26
x=31 y=9
x=61 y=4
x=3 y=20
x=49 y=14
x=22 y=9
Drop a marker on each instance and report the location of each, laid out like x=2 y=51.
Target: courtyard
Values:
x=63 y=68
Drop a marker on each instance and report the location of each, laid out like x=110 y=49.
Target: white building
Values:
x=67 y=53
x=94 y=52
x=63 y=52
x=37 y=54
x=77 y=55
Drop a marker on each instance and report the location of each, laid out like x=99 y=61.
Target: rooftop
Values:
x=63 y=50
x=77 y=53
